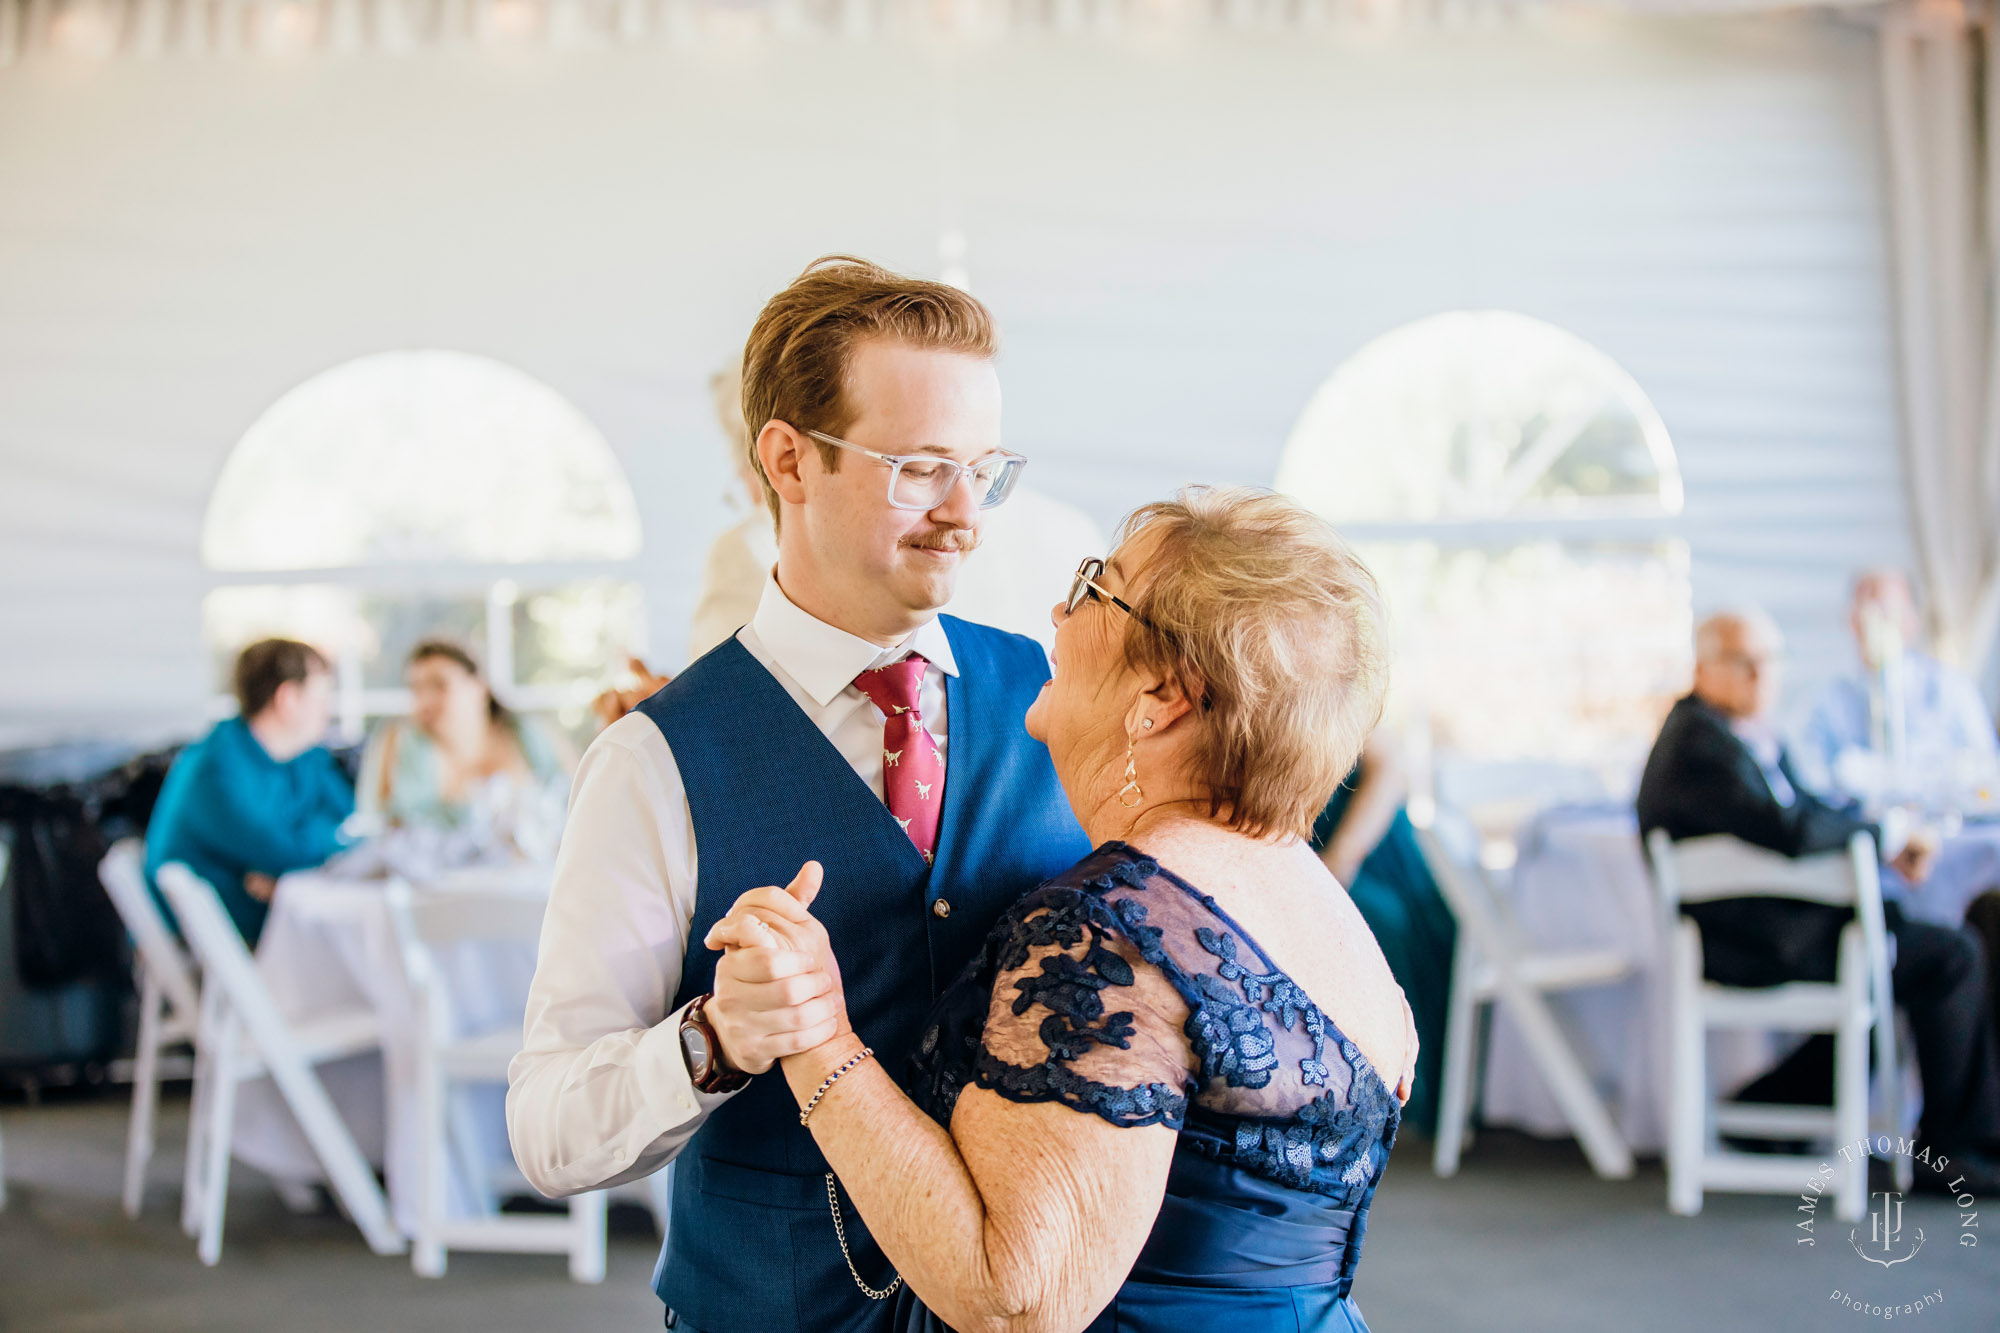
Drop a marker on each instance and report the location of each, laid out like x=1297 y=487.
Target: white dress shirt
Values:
x=600 y=1093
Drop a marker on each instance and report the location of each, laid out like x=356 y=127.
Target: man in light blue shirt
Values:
x=258 y=796
x=1947 y=736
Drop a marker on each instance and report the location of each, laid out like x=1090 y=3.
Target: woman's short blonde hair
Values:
x=1266 y=618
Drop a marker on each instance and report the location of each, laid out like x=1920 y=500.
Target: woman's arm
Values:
x=1023 y=1217
x=1378 y=795
x=378 y=767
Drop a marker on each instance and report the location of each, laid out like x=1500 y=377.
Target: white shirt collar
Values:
x=825 y=659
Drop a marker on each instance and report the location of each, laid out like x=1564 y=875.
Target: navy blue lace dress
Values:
x=1285 y=1127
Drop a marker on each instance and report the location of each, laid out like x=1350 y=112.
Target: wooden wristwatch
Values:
x=706 y=1064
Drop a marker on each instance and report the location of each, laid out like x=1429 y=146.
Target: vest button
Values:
x=940 y=909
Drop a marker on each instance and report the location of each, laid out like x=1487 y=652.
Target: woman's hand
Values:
x=615 y=703
x=777 y=988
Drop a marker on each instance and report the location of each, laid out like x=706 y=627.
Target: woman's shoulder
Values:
x=1094 y=886
x=1110 y=867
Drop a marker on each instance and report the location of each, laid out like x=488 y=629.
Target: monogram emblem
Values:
x=1885 y=1233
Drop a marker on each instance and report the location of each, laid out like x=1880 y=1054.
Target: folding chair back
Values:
x=427 y=925
x=237 y=1001
x=123 y=872
x=1495 y=963
x=169 y=1002
x=1858 y=1001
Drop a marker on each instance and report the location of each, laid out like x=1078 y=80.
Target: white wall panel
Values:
x=1182 y=240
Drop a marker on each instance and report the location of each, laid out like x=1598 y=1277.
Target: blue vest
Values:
x=751 y=1248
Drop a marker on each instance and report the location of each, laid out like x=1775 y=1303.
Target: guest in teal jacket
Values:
x=258 y=796
x=1366 y=840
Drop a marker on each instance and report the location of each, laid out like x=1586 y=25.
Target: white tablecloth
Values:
x=1580 y=881
x=329 y=944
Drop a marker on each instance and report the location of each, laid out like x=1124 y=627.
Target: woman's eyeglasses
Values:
x=922 y=481
x=1087 y=587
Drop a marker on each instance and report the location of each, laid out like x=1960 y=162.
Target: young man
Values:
x=257 y=796
x=847 y=723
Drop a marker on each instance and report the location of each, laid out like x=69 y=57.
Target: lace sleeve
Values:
x=1079 y=1016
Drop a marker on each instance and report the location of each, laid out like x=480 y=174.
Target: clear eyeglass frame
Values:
x=923 y=481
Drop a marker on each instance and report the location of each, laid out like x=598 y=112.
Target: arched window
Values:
x=1516 y=494
x=412 y=494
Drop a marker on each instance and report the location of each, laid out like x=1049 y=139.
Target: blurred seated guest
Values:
x=1365 y=838
x=1028 y=550
x=1719 y=767
x=258 y=796
x=462 y=761
x=742 y=557
x=1903 y=703
x=1908 y=728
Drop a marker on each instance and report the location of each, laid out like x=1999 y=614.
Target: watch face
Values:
x=695 y=1045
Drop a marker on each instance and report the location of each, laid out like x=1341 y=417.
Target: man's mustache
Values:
x=964 y=540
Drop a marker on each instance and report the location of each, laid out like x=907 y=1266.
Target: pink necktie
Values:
x=912 y=764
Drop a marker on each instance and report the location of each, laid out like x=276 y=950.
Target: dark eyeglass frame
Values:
x=1086 y=586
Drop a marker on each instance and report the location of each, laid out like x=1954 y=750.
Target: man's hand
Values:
x=1919 y=854
x=259 y=886
x=777 y=988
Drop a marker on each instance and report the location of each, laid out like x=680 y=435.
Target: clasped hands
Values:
x=777 y=985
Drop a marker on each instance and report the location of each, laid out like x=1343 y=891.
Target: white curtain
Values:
x=1943 y=124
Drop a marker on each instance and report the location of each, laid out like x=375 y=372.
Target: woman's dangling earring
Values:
x=1130 y=794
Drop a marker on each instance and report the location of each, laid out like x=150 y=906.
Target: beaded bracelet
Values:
x=832 y=1079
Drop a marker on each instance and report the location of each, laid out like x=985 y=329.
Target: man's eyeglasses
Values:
x=922 y=481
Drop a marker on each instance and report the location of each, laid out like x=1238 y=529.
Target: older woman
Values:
x=1164 y=1093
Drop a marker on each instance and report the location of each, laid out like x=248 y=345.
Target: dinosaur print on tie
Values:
x=912 y=761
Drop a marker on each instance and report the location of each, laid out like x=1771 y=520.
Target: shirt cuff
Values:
x=664 y=1079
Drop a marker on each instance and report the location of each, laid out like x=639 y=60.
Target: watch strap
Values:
x=718 y=1077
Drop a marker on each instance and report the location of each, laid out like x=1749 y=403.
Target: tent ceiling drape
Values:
x=219 y=28
x=1939 y=113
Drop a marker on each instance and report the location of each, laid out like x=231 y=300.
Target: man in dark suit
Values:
x=1719 y=767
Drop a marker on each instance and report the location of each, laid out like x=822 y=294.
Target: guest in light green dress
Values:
x=1366 y=840
x=462 y=762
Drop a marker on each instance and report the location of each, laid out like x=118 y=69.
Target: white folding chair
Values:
x=243 y=1036
x=1495 y=963
x=169 y=1002
x=1707 y=869
x=427 y=924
